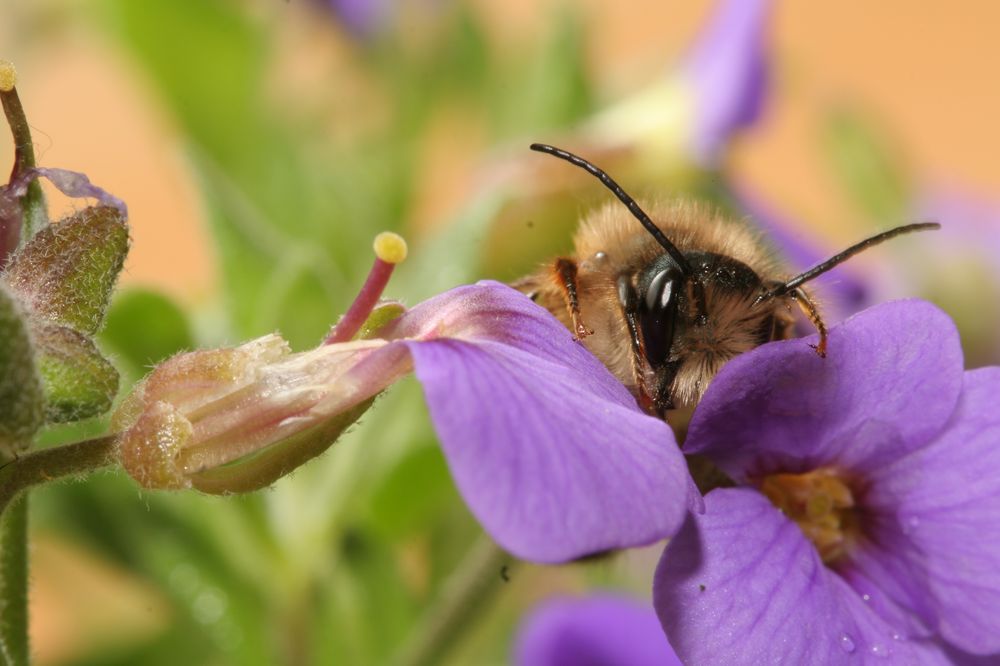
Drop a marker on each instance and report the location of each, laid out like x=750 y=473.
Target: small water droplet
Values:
x=847 y=643
x=866 y=597
x=880 y=651
x=896 y=636
x=910 y=524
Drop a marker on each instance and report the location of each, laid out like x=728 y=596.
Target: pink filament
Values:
x=363 y=303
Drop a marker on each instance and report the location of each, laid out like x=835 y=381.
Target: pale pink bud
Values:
x=237 y=419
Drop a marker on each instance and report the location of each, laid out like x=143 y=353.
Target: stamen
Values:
x=390 y=249
x=821 y=503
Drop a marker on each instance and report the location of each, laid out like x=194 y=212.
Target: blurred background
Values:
x=260 y=145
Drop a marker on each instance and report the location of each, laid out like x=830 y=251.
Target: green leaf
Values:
x=22 y=403
x=867 y=166
x=417 y=490
x=66 y=272
x=79 y=382
x=144 y=327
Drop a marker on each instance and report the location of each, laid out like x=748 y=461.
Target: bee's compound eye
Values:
x=659 y=313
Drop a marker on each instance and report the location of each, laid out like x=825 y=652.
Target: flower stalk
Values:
x=14 y=584
x=465 y=597
x=33 y=202
x=52 y=464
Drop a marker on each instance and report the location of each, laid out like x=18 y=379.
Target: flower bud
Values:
x=78 y=381
x=21 y=400
x=237 y=419
x=65 y=274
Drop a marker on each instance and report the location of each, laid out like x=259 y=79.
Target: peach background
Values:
x=929 y=75
x=926 y=74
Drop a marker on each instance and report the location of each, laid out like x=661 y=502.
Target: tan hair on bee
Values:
x=665 y=305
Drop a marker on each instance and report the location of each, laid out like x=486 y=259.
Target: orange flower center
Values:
x=821 y=503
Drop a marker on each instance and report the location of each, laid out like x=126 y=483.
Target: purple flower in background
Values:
x=727 y=70
x=362 y=18
x=597 y=631
x=717 y=89
x=961 y=270
x=884 y=463
x=844 y=292
x=550 y=452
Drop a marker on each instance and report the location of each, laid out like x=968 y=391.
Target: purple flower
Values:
x=844 y=291
x=717 y=89
x=883 y=460
x=548 y=449
x=961 y=270
x=598 y=631
x=362 y=18
x=727 y=70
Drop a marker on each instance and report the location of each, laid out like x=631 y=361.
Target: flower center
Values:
x=821 y=503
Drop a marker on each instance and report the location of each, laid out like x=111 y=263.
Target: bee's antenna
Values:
x=629 y=202
x=841 y=257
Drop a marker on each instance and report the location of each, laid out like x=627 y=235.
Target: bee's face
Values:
x=691 y=325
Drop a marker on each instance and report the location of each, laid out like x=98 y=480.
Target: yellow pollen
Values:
x=390 y=247
x=821 y=504
x=8 y=76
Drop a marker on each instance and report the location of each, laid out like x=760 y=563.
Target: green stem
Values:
x=16 y=476
x=14 y=584
x=52 y=464
x=33 y=202
x=464 y=597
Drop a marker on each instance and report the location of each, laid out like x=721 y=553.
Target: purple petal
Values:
x=362 y=18
x=601 y=630
x=847 y=292
x=549 y=451
x=71 y=183
x=970 y=223
x=890 y=382
x=727 y=68
x=938 y=548
x=742 y=585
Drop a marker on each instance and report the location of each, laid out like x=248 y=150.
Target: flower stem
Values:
x=16 y=476
x=465 y=596
x=52 y=464
x=14 y=584
x=33 y=202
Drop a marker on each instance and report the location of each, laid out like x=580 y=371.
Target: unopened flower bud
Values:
x=237 y=419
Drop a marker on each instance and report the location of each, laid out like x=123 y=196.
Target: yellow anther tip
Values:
x=390 y=247
x=8 y=76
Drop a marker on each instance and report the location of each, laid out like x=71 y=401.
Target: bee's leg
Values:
x=809 y=308
x=630 y=308
x=565 y=273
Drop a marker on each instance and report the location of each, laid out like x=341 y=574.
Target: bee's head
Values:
x=698 y=309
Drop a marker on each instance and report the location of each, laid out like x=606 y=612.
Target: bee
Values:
x=664 y=305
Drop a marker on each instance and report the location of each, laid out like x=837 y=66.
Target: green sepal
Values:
x=78 y=381
x=65 y=274
x=22 y=401
x=381 y=315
